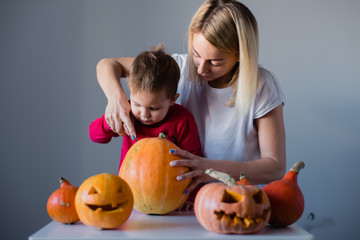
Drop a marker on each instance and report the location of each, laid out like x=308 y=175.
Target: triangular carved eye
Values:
x=231 y=197
x=92 y=191
x=259 y=197
x=120 y=190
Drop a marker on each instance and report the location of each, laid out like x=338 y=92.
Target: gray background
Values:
x=49 y=95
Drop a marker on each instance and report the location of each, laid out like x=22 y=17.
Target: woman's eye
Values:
x=215 y=63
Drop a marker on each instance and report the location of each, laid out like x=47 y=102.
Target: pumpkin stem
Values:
x=297 y=166
x=162 y=135
x=242 y=176
x=61 y=180
x=224 y=177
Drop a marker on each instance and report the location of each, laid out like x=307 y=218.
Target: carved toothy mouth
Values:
x=107 y=207
x=244 y=221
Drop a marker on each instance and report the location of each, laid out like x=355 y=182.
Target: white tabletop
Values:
x=174 y=226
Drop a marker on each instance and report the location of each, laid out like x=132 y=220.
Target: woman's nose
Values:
x=201 y=69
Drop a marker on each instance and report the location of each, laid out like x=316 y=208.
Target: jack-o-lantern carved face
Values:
x=104 y=201
x=232 y=209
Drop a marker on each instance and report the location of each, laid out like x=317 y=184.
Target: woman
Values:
x=237 y=105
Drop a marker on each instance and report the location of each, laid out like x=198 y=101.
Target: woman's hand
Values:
x=117 y=112
x=117 y=116
x=197 y=166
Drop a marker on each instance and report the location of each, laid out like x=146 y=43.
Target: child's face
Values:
x=150 y=108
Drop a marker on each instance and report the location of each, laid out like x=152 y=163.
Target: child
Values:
x=153 y=83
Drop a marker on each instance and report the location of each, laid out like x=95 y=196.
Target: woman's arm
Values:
x=269 y=167
x=117 y=112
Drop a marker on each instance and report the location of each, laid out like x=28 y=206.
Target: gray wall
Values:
x=49 y=95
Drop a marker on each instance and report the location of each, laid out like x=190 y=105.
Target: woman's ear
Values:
x=175 y=98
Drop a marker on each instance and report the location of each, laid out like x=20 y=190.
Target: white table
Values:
x=174 y=226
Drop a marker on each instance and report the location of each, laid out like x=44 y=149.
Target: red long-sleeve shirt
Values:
x=178 y=125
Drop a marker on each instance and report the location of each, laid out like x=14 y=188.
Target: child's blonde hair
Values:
x=231 y=27
x=154 y=71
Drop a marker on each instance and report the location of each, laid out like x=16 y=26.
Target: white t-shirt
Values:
x=223 y=135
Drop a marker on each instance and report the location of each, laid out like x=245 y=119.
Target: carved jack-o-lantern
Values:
x=231 y=208
x=104 y=201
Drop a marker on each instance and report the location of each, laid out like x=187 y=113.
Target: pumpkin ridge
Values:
x=213 y=225
x=143 y=195
x=180 y=200
x=200 y=200
x=166 y=192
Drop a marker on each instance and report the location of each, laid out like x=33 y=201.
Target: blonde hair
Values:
x=154 y=71
x=230 y=27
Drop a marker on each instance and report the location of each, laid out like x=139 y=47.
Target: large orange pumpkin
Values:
x=104 y=201
x=61 y=203
x=231 y=207
x=147 y=170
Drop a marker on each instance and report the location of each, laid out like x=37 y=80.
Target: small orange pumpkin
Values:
x=104 y=201
x=147 y=170
x=243 y=180
x=231 y=207
x=286 y=199
x=61 y=203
